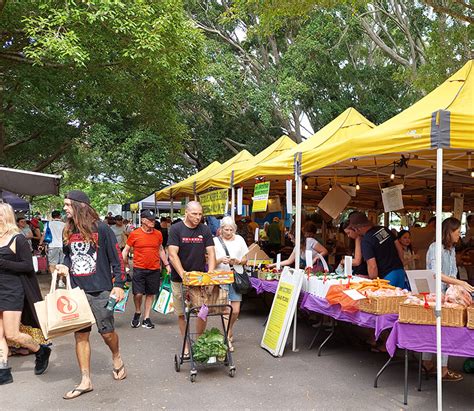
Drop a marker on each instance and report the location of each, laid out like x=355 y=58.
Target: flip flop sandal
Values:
x=76 y=392
x=453 y=376
x=116 y=373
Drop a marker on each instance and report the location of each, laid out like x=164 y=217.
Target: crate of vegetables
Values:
x=269 y=274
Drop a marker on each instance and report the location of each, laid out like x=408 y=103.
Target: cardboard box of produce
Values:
x=256 y=256
x=198 y=278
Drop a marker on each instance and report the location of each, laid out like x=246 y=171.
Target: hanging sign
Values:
x=289 y=196
x=282 y=311
x=240 y=196
x=309 y=258
x=260 y=197
x=214 y=202
x=458 y=205
x=392 y=198
x=184 y=201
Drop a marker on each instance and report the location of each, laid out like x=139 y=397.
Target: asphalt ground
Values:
x=341 y=379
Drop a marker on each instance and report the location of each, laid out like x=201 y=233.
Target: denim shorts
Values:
x=233 y=295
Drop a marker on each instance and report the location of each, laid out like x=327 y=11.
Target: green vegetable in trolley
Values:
x=209 y=344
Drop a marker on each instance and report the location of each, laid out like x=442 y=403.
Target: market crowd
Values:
x=101 y=256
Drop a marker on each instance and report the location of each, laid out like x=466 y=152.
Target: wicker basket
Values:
x=381 y=305
x=470 y=317
x=418 y=314
x=209 y=295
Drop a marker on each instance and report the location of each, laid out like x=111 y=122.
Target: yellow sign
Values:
x=260 y=197
x=214 y=202
x=278 y=315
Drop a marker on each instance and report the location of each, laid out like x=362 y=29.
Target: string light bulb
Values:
x=330 y=185
x=472 y=173
x=392 y=176
x=357 y=183
x=305 y=181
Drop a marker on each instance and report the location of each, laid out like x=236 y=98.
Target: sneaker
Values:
x=136 y=320
x=146 y=323
x=42 y=359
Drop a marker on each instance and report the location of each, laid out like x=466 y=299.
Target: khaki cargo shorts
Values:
x=178 y=303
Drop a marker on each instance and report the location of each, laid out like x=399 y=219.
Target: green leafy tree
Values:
x=94 y=86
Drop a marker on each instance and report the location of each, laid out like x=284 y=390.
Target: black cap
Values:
x=79 y=196
x=148 y=214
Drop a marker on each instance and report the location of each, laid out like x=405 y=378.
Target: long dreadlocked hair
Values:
x=85 y=220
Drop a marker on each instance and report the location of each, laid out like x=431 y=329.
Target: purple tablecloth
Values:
x=360 y=318
x=319 y=305
x=455 y=341
x=261 y=285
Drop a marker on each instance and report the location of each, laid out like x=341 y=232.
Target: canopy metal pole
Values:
x=439 y=245
x=171 y=205
x=298 y=194
x=232 y=196
x=195 y=192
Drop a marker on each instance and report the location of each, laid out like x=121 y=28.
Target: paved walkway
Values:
x=341 y=378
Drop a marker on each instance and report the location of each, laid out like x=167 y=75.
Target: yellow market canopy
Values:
x=405 y=146
x=244 y=170
x=186 y=187
x=205 y=182
x=445 y=117
x=347 y=124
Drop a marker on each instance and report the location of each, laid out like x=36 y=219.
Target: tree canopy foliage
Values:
x=132 y=95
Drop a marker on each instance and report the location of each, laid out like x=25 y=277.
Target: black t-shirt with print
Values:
x=379 y=243
x=93 y=268
x=192 y=243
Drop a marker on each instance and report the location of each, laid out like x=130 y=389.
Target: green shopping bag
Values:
x=164 y=300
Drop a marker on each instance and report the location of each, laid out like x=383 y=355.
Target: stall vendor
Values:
x=308 y=242
x=379 y=250
x=359 y=265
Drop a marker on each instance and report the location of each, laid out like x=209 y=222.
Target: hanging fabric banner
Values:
x=214 y=202
x=260 y=197
x=240 y=197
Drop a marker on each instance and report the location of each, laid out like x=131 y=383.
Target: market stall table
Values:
x=312 y=303
x=456 y=341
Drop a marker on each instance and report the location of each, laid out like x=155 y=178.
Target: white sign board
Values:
x=282 y=311
x=392 y=198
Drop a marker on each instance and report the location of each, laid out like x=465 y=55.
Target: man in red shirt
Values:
x=148 y=253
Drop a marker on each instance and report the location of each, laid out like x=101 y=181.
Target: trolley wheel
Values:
x=232 y=372
x=192 y=377
x=177 y=365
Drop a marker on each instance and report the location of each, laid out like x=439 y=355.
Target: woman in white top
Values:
x=308 y=242
x=236 y=257
x=451 y=230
